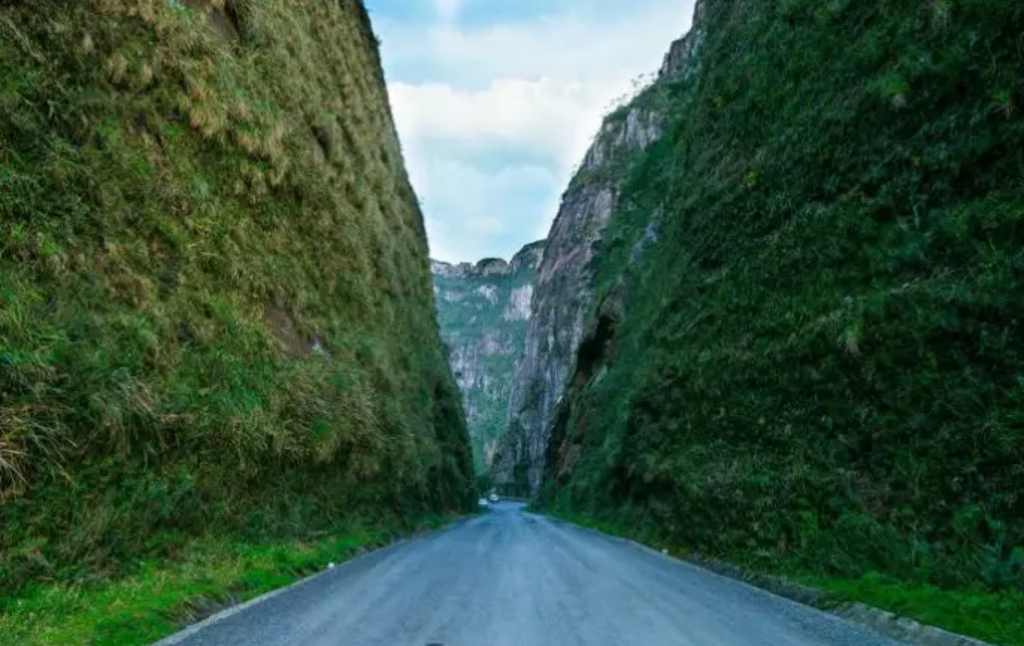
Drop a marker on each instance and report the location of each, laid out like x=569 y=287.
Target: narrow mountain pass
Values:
x=510 y=578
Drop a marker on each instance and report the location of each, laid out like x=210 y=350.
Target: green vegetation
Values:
x=160 y=597
x=821 y=360
x=994 y=617
x=216 y=318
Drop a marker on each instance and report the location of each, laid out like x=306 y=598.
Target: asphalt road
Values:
x=509 y=578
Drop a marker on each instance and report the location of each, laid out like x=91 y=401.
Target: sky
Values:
x=496 y=101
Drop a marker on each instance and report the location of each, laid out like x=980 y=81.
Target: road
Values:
x=510 y=578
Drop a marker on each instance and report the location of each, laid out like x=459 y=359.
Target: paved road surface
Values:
x=509 y=578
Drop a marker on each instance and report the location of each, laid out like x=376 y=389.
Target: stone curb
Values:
x=884 y=623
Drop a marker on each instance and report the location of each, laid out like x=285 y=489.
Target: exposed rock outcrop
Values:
x=564 y=295
x=484 y=311
x=802 y=317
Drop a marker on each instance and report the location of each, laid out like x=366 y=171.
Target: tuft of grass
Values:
x=995 y=617
x=163 y=596
x=212 y=318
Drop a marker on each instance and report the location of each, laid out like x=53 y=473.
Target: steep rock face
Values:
x=564 y=296
x=804 y=343
x=484 y=311
x=215 y=301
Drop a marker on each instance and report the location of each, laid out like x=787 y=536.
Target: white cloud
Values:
x=472 y=213
x=544 y=117
x=566 y=45
x=524 y=90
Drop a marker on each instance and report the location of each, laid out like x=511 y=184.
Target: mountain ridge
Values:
x=483 y=309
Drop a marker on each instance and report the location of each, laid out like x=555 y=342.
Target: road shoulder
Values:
x=881 y=622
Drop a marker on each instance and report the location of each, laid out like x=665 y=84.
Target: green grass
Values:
x=997 y=618
x=215 y=303
x=160 y=597
x=820 y=360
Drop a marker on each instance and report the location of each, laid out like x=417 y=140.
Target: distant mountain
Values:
x=484 y=312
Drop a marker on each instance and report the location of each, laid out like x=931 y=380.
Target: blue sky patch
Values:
x=497 y=100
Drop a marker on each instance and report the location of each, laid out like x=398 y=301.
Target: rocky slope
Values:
x=564 y=295
x=216 y=314
x=484 y=312
x=801 y=341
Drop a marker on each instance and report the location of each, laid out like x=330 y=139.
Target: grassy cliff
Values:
x=216 y=313
x=819 y=362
